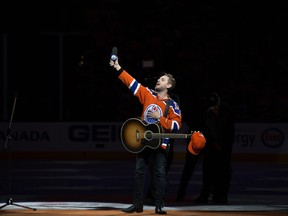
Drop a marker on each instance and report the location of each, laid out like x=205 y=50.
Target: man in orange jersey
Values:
x=154 y=103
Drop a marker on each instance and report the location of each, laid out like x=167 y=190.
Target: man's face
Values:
x=162 y=83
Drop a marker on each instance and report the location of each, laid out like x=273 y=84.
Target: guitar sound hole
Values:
x=148 y=135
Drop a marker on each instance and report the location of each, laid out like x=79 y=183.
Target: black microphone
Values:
x=114 y=54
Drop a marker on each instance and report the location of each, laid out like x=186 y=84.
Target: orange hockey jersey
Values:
x=152 y=102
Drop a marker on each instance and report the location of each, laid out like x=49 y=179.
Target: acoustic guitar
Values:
x=136 y=135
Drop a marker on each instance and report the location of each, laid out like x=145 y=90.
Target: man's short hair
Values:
x=171 y=80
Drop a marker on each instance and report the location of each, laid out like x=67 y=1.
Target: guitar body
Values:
x=137 y=135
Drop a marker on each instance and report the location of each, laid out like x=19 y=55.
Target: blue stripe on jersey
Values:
x=134 y=86
x=175 y=126
x=154 y=93
x=175 y=107
x=165 y=142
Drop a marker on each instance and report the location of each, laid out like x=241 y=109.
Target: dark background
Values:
x=54 y=56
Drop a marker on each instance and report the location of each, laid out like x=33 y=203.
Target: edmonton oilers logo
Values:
x=272 y=137
x=151 y=108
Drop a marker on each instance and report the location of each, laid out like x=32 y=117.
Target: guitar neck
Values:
x=170 y=135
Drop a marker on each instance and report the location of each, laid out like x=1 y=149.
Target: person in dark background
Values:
x=190 y=163
x=194 y=119
x=154 y=104
x=216 y=168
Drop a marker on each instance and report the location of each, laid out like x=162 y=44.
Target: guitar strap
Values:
x=166 y=113
x=169 y=149
x=167 y=108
